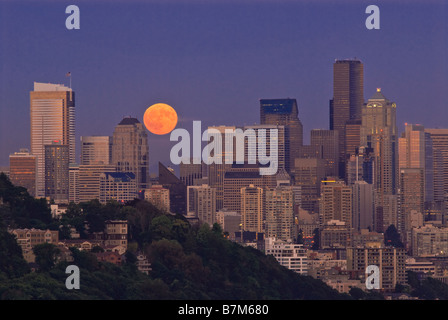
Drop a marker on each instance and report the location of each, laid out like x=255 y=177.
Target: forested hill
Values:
x=188 y=262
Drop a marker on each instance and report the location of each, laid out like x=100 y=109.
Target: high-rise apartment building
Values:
x=96 y=150
x=73 y=183
x=252 y=209
x=411 y=199
x=335 y=202
x=130 y=151
x=284 y=112
x=279 y=213
x=348 y=98
x=201 y=202
x=22 y=170
x=158 y=196
x=52 y=114
x=57 y=157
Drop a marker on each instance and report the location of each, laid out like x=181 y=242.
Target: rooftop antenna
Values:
x=69 y=75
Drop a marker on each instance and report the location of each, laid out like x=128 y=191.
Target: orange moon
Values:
x=160 y=118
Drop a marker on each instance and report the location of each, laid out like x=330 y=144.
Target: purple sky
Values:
x=213 y=60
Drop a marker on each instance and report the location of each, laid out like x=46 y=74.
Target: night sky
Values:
x=213 y=60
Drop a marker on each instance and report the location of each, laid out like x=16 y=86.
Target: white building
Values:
x=289 y=255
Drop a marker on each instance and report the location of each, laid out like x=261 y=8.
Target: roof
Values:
x=278 y=106
x=378 y=95
x=128 y=121
x=122 y=176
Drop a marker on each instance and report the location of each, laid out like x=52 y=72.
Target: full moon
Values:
x=160 y=118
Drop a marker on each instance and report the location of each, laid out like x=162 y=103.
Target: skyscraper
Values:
x=52 y=115
x=57 y=158
x=252 y=213
x=439 y=139
x=379 y=132
x=96 y=150
x=411 y=198
x=335 y=202
x=22 y=170
x=414 y=153
x=279 y=212
x=202 y=203
x=178 y=190
x=284 y=112
x=328 y=143
x=348 y=98
x=130 y=151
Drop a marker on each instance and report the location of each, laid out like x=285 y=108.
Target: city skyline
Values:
x=207 y=63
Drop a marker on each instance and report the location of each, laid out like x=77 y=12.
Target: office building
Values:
x=96 y=150
x=379 y=132
x=308 y=174
x=89 y=180
x=439 y=139
x=348 y=98
x=327 y=141
x=130 y=150
x=192 y=173
x=230 y=222
x=363 y=203
x=177 y=189
x=52 y=114
x=284 y=112
x=22 y=170
x=73 y=183
x=411 y=196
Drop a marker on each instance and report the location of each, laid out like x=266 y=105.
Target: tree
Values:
x=392 y=237
x=46 y=255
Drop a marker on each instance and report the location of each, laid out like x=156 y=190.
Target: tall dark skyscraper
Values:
x=284 y=112
x=347 y=102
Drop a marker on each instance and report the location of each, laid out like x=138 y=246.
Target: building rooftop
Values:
x=128 y=121
x=39 y=86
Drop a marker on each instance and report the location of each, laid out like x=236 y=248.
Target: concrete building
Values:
x=230 y=221
x=89 y=180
